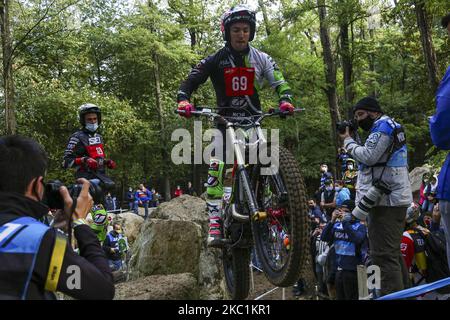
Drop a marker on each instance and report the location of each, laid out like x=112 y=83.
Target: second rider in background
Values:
x=85 y=152
x=237 y=72
x=85 y=149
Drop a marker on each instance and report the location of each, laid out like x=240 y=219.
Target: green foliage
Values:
x=69 y=52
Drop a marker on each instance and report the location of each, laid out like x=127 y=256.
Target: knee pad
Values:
x=214 y=185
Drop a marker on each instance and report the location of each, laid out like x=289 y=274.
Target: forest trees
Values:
x=130 y=58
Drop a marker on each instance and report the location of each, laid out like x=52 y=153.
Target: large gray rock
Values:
x=131 y=224
x=415 y=177
x=141 y=212
x=183 y=208
x=173 y=241
x=167 y=247
x=159 y=287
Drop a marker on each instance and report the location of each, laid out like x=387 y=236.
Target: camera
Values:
x=53 y=198
x=343 y=125
x=372 y=196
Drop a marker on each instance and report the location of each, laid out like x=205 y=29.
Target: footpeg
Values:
x=259 y=216
x=219 y=243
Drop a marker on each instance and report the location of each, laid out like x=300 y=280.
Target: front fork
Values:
x=245 y=193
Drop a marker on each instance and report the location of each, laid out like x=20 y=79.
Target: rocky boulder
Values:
x=167 y=247
x=141 y=212
x=184 y=208
x=173 y=241
x=415 y=177
x=131 y=224
x=159 y=287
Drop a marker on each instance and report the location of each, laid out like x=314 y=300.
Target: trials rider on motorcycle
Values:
x=237 y=72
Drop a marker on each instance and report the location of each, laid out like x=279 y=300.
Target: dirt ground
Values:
x=262 y=285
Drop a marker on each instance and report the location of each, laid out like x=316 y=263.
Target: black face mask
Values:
x=366 y=123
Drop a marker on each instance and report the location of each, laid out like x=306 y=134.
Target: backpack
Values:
x=436 y=253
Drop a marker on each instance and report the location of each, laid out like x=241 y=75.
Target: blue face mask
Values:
x=338 y=188
x=329 y=188
x=92 y=127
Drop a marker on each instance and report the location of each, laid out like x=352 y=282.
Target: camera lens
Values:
x=96 y=190
x=367 y=202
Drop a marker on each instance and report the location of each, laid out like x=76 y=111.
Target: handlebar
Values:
x=207 y=112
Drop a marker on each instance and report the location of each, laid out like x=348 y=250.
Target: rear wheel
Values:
x=281 y=238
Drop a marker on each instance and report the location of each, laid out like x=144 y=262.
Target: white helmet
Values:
x=89 y=108
x=238 y=13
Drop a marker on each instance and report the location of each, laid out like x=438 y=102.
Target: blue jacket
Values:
x=20 y=241
x=440 y=133
x=341 y=196
x=350 y=242
x=112 y=241
x=130 y=195
x=143 y=196
x=325 y=176
x=317 y=213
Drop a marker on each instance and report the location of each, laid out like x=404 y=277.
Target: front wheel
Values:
x=281 y=238
x=237 y=272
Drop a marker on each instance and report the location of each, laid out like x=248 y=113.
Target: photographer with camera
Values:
x=383 y=190
x=36 y=260
x=85 y=150
x=349 y=237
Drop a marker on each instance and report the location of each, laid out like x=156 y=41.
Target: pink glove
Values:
x=110 y=164
x=286 y=107
x=187 y=107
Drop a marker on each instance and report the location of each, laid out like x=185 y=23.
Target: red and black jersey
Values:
x=237 y=78
x=407 y=249
x=412 y=244
x=84 y=144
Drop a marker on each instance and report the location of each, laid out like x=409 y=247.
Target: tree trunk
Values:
x=8 y=81
x=265 y=16
x=312 y=44
x=427 y=43
x=196 y=168
x=330 y=71
x=145 y=166
x=164 y=154
x=347 y=66
x=192 y=31
x=372 y=64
